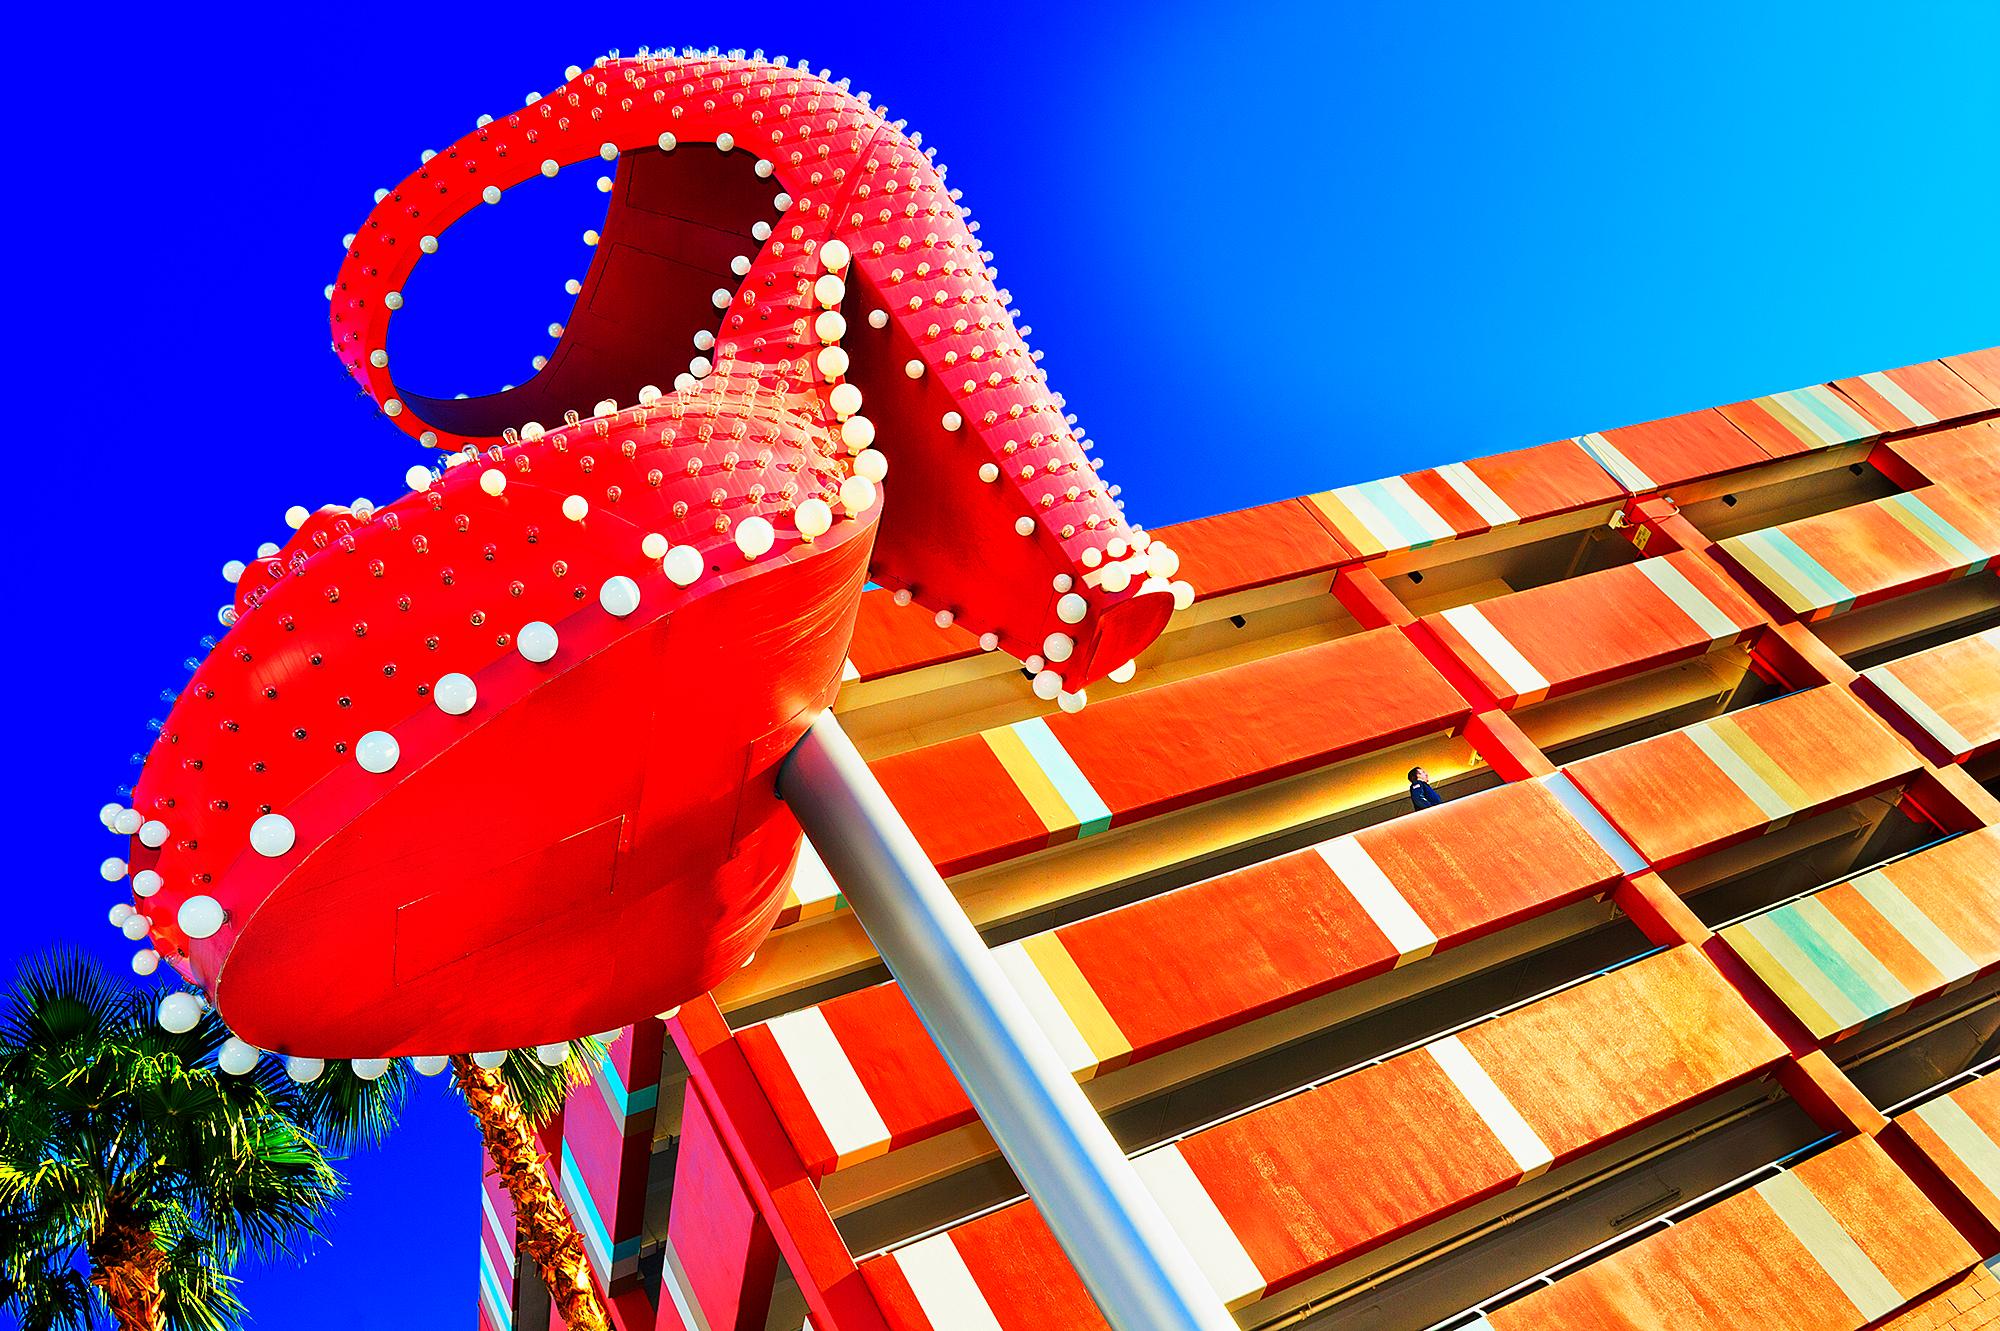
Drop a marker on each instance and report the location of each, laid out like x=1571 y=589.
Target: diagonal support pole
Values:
x=1131 y=1260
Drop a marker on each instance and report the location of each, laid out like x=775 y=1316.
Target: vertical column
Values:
x=721 y=1259
x=607 y=1141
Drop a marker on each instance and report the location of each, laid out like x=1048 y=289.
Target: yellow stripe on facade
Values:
x=1348 y=527
x=1796 y=425
x=1951 y=556
x=1789 y=991
x=1086 y=1010
x=1728 y=730
x=1800 y=601
x=1031 y=781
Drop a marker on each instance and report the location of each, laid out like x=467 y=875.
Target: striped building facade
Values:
x=1680 y=1011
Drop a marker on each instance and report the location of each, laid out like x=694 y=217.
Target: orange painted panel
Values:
x=1951 y=693
x=1981 y=369
x=1930 y=386
x=963 y=806
x=1601 y=626
x=1684 y=448
x=1966 y=459
x=1960 y=1132
x=1232 y=552
x=1668 y=1030
x=890 y=638
x=1200 y=738
x=1547 y=479
x=1672 y=801
x=1739 y=1264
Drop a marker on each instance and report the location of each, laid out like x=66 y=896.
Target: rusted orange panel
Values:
x=1667 y=452
x=1200 y=738
x=1699 y=1036
x=1960 y=1133
x=890 y=638
x=1913 y=397
x=1216 y=954
x=1835 y=1244
x=1830 y=563
x=1252 y=547
x=1682 y=794
x=1569 y=635
x=1949 y=695
x=1980 y=369
x=1966 y=459
x=963 y=805
x=1297 y=1186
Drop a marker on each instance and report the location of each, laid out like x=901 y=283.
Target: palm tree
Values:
x=134 y=1176
x=509 y=1102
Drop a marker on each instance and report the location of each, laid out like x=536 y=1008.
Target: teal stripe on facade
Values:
x=1973 y=557
x=623 y=1103
x=1814 y=401
x=1849 y=963
x=1830 y=590
x=584 y=1207
x=499 y=1307
x=1799 y=964
x=1092 y=814
x=1404 y=523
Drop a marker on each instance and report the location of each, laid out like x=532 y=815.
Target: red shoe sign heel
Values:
x=525 y=721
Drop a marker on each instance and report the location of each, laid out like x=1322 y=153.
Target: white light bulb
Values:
x=1071 y=702
x=201 y=917
x=1024 y=526
x=845 y=399
x=857 y=494
x=490 y=1059
x=120 y=913
x=1071 y=608
x=619 y=596
x=418 y=478
x=112 y=870
x=128 y=822
x=145 y=961
x=830 y=326
x=829 y=290
x=720 y=298
x=683 y=565
x=1123 y=674
x=377 y=751
x=857 y=432
x=754 y=537
x=108 y=815
x=667 y=142
x=574 y=507
x=493 y=481
x=834 y=254
x=952 y=420
x=455 y=694
x=304 y=1070
x=232 y=571
x=135 y=927
x=1183 y=595
x=878 y=318
x=1058 y=646
x=429 y=1065
x=153 y=834
x=536 y=641
x=296 y=515
x=368 y=1069
x=146 y=882
x=179 y=1013
x=988 y=472
x=491 y=194
x=989 y=642
x=552 y=1055
x=653 y=545
x=1162 y=562
x=237 y=1057
x=914 y=369
x=872 y=464
x=813 y=518
x=725 y=141
x=832 y=362
x=1047 y=685
x=1115 y=578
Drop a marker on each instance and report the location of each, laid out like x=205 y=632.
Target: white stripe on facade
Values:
x=831 y=1085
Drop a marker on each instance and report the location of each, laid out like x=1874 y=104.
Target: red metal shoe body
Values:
x=563 y=843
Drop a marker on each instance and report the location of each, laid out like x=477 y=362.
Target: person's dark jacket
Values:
x=1422 y=796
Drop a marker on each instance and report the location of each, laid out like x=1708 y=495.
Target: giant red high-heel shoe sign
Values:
x=493 y=765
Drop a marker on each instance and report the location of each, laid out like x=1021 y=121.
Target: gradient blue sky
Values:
x=1330 y=241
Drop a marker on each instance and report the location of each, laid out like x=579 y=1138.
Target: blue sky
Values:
x=1267 y=249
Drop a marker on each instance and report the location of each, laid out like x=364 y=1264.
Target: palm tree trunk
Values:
x=125 y=1263
x=547 y=1233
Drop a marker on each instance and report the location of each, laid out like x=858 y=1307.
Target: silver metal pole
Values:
x=1131 y=1260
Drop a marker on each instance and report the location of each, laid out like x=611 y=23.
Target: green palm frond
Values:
x=108 y=1122
x=349 y=1114
x=539 y=1089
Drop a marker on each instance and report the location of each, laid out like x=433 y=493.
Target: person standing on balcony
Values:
x=1421 y=795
